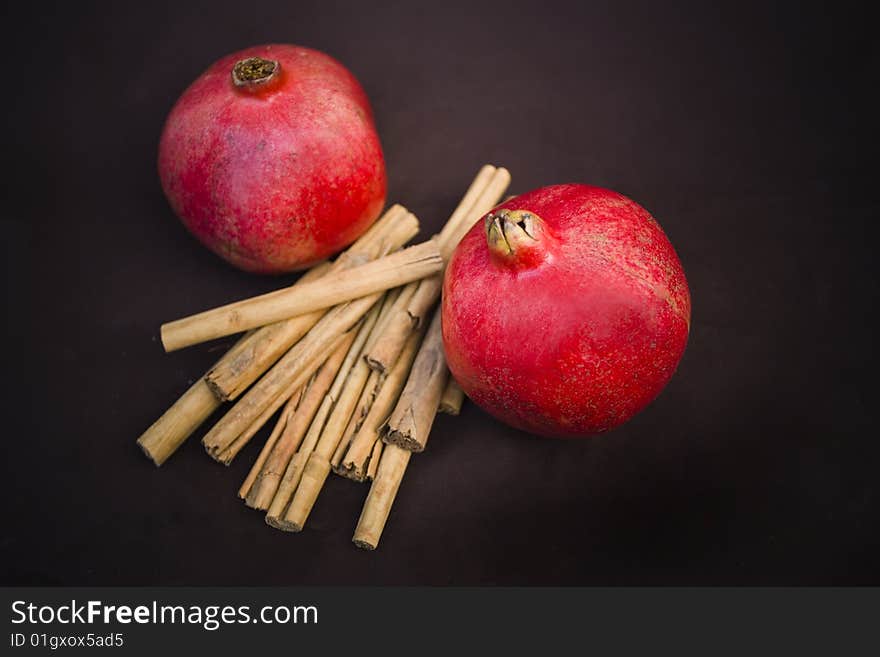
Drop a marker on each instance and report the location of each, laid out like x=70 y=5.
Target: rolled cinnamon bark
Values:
x=353 y=400
x=383 y=490
x=259 y=349
x=314 y=474
x=483 y=194
x=286 y=487
x=488 y=199
x=452 y=398
x=465 y=208
x=354 y=464
x=263 y=490
x=365 y=401
x=392 y=331
x=293 y=474
x=386 y=350
x=374 y=460
x=286 y=414
x=410 y=422
x=289 y=373
x=319 y=379
x=176 y=424
x=390 y=271
x=394 y=459
x=342 y=447
x=226 y=456
x=351 y=408
x=270 y=478
x=236 y=372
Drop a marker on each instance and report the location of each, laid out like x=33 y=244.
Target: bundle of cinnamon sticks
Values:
x=350 y=358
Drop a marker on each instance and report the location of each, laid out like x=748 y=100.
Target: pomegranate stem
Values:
x=254 y=72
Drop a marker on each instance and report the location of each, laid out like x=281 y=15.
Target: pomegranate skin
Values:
x=278 y=176
x=571 y=333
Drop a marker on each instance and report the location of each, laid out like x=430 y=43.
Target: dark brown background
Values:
x=741 y=129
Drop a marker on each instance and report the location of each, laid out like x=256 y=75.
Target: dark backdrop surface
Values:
x=742 y=129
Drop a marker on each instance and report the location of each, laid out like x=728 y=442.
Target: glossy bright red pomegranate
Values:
x=565 y=311
x=271 y=158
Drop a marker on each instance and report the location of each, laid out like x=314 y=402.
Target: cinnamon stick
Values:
x=275 y=517
x=289 y=373
x=377 y=359
x=374 y=460
x=236 y=372
x=452 y=233
x=314 y=474
x=263 y=490
x=386 y=350
x=452 y=398
x=368 y=394
x=176 y=424
x=293 y=473
x=257 y=467
x=394 y=460
x=395 y=269
x=228 y=453
x=348 y=412
x=312 y=480
x=407 y=431
x=483 y=194
x=383 y=490
x=272 y=472
x=287 y=485
x=410 y=422
x=225 y=457
x=354 y=464
x=355 y=398
x=256 y=351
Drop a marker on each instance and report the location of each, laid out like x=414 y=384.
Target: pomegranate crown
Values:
x=255 y=73
x=516 y=237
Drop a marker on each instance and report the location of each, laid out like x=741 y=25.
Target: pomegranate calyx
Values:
x=516 y=237
x=255 y=73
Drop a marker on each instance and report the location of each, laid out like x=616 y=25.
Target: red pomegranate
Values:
x=565 y=311
x=271 y=159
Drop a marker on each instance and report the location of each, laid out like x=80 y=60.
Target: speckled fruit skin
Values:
x=275 y=180
x=578 y=334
